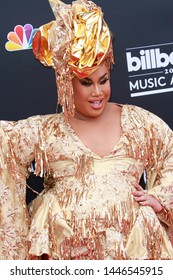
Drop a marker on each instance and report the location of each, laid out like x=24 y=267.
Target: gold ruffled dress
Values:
x=86 y=210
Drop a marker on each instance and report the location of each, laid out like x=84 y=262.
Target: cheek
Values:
x=80 y=94
x=108 y=90
x=79 y=99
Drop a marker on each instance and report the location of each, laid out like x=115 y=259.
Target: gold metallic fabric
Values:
x=86 y=210
x=76 y=43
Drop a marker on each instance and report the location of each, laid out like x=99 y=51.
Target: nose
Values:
x=96 y=91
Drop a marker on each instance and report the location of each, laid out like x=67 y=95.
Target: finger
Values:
x=145 y=203
x=139 y=193
x=141 y=198
x=138 y=187
x=145 y=200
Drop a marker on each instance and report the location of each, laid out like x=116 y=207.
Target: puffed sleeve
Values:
x=160 y=167
x=20 y=143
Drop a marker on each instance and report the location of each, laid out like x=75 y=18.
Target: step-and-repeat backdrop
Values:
x=143 y=48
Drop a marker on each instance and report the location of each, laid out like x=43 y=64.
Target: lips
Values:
x=96 y=104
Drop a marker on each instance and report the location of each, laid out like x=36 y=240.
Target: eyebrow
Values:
x=88 y=79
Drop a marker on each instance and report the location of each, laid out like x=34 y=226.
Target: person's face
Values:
x=91 y=94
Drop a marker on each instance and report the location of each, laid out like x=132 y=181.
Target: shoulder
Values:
x=141 y=119
x=36 y=122
x=139 y=111
x=42 y=119
x=142 y=114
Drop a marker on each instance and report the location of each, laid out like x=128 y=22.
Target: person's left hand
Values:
x=144 y=199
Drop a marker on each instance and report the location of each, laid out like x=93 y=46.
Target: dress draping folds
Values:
x=86 y=210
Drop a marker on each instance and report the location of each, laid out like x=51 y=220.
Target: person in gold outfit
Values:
x=91 y=155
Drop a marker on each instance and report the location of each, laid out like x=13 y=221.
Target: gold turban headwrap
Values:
x=75 y=44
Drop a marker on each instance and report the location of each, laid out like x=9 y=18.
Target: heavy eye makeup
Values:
x=105 y=79
x=85 y=82
x=88 y=82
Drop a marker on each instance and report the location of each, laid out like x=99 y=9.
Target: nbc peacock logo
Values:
x=20 y=38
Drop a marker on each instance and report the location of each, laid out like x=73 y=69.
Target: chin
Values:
x=95 y=114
